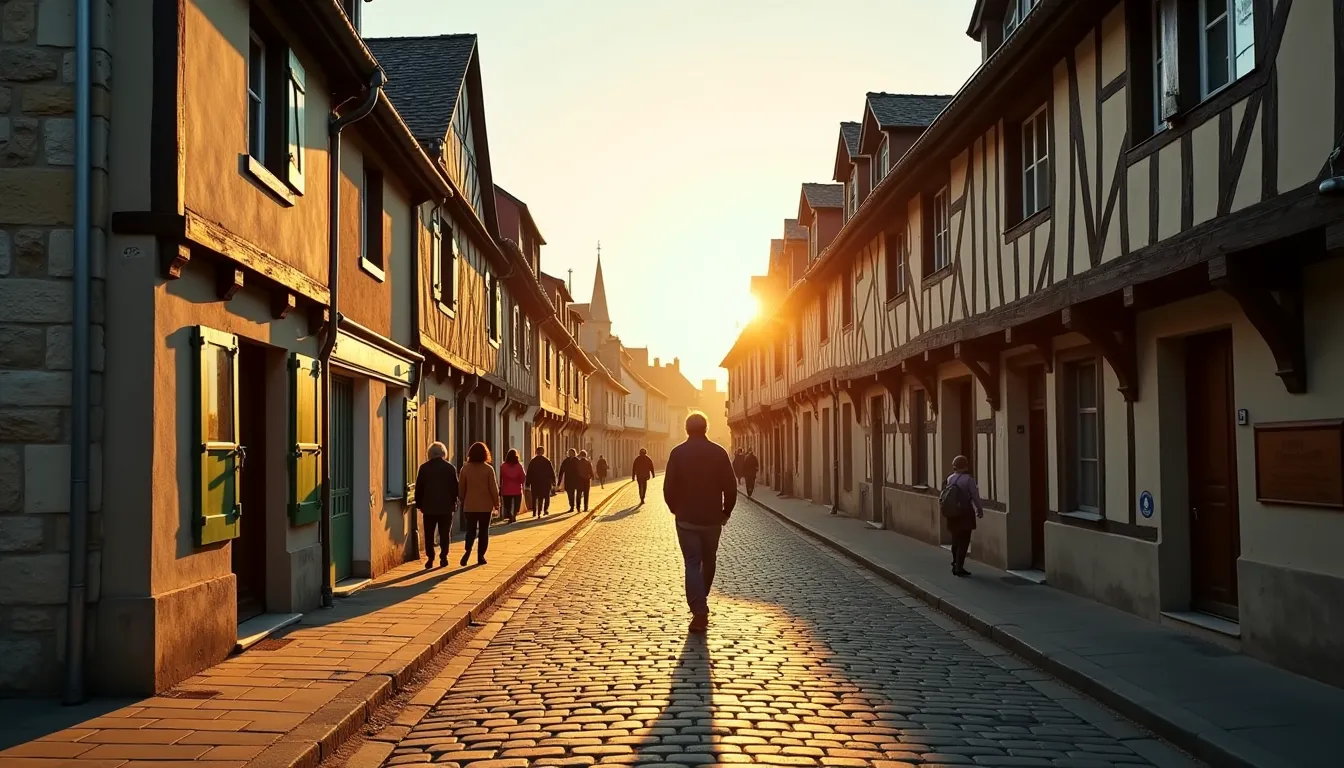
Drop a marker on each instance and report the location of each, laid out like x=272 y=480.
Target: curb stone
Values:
x=323 y=733
x=1186 y=730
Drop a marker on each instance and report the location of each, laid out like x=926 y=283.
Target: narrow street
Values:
x=809 y=661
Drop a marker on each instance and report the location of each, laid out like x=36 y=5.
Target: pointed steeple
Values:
x=598 y=304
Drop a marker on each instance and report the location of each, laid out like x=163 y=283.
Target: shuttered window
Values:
x=220 y=459
x=411 y=432
x=294 y=127
x=305 y=406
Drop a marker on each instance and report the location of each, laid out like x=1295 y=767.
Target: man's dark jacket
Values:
x=540 y=473
x=698 y=484
x=568 y=471
x=750 y=465
x=643 y=467
x=436 y=488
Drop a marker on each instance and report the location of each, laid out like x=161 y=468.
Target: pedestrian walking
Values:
x=584 y=478
x=436 y=498
x=602 y=471
x=540 y=482
x=512 y=478
x=750 y=466
x=569 y=478
x=737 y=466
x=479 y=493
x=642 y=471
x=960 y=504
x=700 y=490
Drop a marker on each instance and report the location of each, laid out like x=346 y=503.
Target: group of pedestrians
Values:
x=745 y=468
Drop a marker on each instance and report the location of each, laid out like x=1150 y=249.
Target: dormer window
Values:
x=1016 y=14
x=883 y=160
x=853 y=190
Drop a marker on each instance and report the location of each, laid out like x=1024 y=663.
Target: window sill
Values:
x=373 y=269
x=393 y=498
x=1026 y=225
x=252 y=168
x=1186 y=121
x=937 y=276
x=897 y=300
x=1089 y=517
x=446 y=309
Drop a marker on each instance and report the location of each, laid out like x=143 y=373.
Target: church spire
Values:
x=598 y=304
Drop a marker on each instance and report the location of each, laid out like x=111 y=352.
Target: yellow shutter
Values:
x=305 y=410
x=220 y=455
x=412 y=436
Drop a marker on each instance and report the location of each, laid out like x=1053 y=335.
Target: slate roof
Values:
x=794 y=231
x=850 y=133
x=424 y=78
x=905 y=110
x=825 y=195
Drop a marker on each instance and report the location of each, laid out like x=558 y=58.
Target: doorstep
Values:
x=350 y=585
x=258 y=628
x=1222 y=706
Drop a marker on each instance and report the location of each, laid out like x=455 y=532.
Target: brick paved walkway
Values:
x=286 y=696
x=809 y=661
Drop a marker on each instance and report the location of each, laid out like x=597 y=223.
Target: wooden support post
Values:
x=1280 y=320
x=1043 y=343
x=927 y=378
x=1113 y=334
x=984 y=365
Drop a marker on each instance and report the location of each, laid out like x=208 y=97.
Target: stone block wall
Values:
x=37 y=155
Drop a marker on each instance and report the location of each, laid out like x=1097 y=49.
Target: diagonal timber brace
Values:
x=1279 y=319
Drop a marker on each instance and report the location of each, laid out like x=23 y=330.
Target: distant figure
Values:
x=737 y=465
x=512 y=478
x=602 y=471
x=569 y=480
x=642 y=471
x=700 y=490
x=541 y=482
x=960 y=504
x=750 y=466
x=584 y=473
x=436 y=497
x=480 y=498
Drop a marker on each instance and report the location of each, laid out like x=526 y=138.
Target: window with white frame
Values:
x=942 y=230
x=1082 y=397
x=1015 y=14
x=256 y=98
x=894 y=245
x=1226 y=42
x=1159 y=75
x=884 y=159
x=275 y=92
x=853 y=190
x=1035 y=163
x=527 y=343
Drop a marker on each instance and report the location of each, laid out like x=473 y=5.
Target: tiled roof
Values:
x=673 y=384
x=424 y=78
x=825 y=195
x=905 y=110
x=794 y=231
x=850 y=133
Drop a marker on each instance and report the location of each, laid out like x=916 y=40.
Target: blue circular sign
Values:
x=1146 y=504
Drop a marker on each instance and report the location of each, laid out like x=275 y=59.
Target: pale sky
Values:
x=677 y=132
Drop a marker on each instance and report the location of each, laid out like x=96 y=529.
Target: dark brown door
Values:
x=807 y=456
x=1038 y=458
x=876 y=407
x=249 y=549
x=1215 y=538
x=966 y=403
x=826 y=439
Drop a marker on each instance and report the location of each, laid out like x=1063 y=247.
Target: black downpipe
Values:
x=835 y=451
x=335 y=125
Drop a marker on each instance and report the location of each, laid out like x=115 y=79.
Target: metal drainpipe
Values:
x=80 y=377
x=835 y=452
x=335 y=125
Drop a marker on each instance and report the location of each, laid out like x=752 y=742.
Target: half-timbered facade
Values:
x=1108 y=274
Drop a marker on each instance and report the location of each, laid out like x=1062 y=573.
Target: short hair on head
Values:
x=696 y=423
x=512 y=456
x=478 y=453
x=573 y=452
x=541 y=451
x=961 y=464
x=583 y=454
x=643 y=452
x=438 y=451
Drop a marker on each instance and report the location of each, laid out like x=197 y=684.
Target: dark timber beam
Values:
x=1278 y=320
x=854 y=389
x=984 y=365
x=1113 y=333
x=926 y=375
x=1042 y=342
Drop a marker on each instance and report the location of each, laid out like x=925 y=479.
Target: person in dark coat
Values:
x=750 y=466
x=602 y=469
x=569 y=478
x=436 y=498
x=963 y=524
x=583 y=472
x=540 y=482
x=737 y=464
x=700 y=490
x=642 y=471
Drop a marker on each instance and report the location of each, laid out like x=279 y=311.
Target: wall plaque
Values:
x=1300 y=463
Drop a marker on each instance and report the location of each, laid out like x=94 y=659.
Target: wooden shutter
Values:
x=220 y=456
x=1172 y=63
x=436 y=253
x=294 y=122
x=411 y=433
x=305 y=409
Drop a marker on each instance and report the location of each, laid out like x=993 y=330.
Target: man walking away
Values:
x=540 y=481
x=700 y=490
x=479 y=493
x=436 y=497
x=602 y=471
x=643 y=470
x=960 y=504
x=750 y=466
x=569 y=479
x=512 y=478
x=737 y=465
x=584 y=482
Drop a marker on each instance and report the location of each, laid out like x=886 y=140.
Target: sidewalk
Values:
x=292 y=700
x=1224 y=707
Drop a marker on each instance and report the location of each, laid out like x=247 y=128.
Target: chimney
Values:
x=657 y=362
x=676 y=364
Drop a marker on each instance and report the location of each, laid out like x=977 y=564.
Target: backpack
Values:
x=954 y=501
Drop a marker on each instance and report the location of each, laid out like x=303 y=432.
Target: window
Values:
x=1082 y=396
x=443 y=259
x=492 y=315
x=883 y=162
x=548 y=362
x=1159 y=76
x=256 y=98
x=798 y=341
x=853 y=190
x=1227 y=42
x=1016 y=14
x=847 y=446
x=527 y=343
x=516 y=335
x=394 y=444
x=919 y=441
x=825 y=316
x=895 y=248
x=937 y=242
x=847 y=299
x=371 y=231
x=275 y=92
x=1035 y=163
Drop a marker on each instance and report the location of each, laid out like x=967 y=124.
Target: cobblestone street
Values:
x=808 y=661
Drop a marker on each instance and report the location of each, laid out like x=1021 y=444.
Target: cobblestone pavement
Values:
x=808 y=661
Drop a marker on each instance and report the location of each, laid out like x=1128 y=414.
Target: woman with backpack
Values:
x=512 y=478
x=960 y=504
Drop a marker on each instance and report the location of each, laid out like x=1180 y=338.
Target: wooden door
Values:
x=877 y=408
x=966 y=415
x=1038 y=458
x=249 y=549
x=807 y=455
x=342 y=476
x=826 y=440
x=1215 y=537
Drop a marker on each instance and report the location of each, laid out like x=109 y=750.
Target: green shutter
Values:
x=218 y=510
x=411 y=431
x=305 y=441
x=294 y=127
